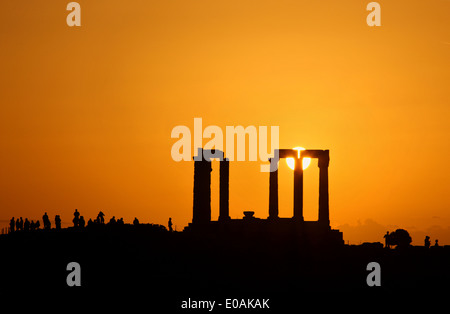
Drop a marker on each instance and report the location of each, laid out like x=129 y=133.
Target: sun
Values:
x=291 y=161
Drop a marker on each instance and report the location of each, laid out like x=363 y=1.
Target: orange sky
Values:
x=86 y=113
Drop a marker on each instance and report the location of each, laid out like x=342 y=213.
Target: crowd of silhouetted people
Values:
x=78 y=222
x=27 y=225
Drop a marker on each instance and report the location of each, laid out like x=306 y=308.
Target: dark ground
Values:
x=148 y=266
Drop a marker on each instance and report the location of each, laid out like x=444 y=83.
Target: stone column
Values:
x=202 y=191
x=324 y=211
x=298 y=189
x=224 y=211
x=273 y=194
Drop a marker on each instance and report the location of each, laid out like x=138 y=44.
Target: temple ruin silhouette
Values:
x=303 y=232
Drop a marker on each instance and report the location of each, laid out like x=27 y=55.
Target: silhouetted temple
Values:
x=295 y=228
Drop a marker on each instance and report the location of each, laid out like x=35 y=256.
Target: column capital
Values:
x=324 y=160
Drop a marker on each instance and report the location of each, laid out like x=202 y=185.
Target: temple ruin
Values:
x=311 y=232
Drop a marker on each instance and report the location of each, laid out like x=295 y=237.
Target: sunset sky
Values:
x=86 y=113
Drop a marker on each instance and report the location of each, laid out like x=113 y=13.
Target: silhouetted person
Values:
x=90 y=223
x=101 y=218
x=436 y=244
x=37 y=225
x=26 y=225
x=21 y=223
x=46 y=222
x=12 y=225
x=76 y=219
x=170 y=225
x=57 y=222
x=427 y=242
x=17 y=224
x=120 y=221
x=112 y=221
x=135 y=221
x=81 y=222
x=387 y=241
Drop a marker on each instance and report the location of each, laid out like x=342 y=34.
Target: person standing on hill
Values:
x=170 y=225
x=12 y=224
x=57 y=222
x=46 y=222
x=76 y=219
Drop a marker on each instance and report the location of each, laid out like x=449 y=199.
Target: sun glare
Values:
x=291 y=161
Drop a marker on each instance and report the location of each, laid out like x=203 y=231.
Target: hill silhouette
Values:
x=170 y=266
